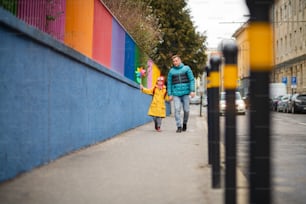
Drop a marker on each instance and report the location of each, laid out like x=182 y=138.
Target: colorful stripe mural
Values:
x=89 y=27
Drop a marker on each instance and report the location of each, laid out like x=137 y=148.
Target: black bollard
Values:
x=230 y=51
x=214 y=76
x=261 y=63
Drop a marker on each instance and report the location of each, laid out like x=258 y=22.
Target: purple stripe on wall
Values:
x=118 y=46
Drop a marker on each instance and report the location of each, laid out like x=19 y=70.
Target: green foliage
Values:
x=10 y=5
x=179 y=36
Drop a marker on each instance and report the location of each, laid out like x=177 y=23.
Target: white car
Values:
x=240 y=104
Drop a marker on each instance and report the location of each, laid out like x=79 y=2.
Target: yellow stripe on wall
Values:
x=79 y=25
x=155 y=74
x=260 y=38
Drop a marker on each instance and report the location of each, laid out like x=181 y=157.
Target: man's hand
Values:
x=170 y=98
x=192 y=94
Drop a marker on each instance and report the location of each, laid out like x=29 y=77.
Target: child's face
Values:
x=160 y=82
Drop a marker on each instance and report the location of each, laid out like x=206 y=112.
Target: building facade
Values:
x=243 y=60
x=288 y=19
x=289 y=24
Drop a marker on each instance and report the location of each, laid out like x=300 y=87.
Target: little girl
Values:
x=157 y=108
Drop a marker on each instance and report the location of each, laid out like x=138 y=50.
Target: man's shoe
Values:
x=179 y=129
x=158 y=129
x=184 y=127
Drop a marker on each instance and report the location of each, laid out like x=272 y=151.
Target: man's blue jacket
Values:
x=180 y=81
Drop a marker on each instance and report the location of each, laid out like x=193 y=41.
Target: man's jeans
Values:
x=178 y=102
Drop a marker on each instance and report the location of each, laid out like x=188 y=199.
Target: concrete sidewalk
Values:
x=140 y=166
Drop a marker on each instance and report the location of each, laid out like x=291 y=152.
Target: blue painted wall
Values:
x=55 y=100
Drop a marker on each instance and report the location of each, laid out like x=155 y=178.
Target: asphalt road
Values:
x=289 y=157
x=288 y=134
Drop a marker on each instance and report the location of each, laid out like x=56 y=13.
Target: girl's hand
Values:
x=141 y=87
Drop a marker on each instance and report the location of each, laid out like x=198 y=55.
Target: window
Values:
x=285 y=12
x=289 y=10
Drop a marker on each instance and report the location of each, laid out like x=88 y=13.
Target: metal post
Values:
x=209 y=114
x=261 y=63
x=230 y=51
x=201 y=102
x=215 y=62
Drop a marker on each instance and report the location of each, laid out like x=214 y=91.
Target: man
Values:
x=180 y=86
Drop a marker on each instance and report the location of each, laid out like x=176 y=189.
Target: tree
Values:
x=178 y=36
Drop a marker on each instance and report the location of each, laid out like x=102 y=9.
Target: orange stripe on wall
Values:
x=79 y=25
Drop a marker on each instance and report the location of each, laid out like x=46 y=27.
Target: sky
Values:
x=218 y=18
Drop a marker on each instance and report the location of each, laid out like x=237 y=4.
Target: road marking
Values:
x=302 y=123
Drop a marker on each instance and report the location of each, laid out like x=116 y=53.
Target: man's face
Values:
x=176 y=61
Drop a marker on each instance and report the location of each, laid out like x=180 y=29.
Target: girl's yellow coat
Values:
x=158 y=106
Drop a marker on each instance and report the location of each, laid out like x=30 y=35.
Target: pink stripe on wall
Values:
x=149 y=73
x=47 y=16
x=102 y=35
x=32 y=12
x=56 y=10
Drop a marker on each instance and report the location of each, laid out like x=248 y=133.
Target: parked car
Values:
x=287 y=104
x=275 y=101
x=282 y=105
x=297 y=103
x=240 y=104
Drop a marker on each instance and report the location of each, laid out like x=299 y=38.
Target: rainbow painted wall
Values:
x=88 y=27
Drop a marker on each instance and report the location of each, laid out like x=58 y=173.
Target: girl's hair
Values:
x=161 y=78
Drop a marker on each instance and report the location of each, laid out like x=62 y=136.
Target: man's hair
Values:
x=175 y=56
